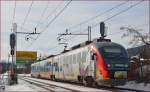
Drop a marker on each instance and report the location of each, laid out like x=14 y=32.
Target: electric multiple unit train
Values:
x=101 y=62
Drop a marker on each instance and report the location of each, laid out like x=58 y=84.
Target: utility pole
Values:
x=15 y=49
x=27 y=37
x=13 y=75
x=13 y=44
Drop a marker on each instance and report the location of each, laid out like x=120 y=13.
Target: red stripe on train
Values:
x=101 y=64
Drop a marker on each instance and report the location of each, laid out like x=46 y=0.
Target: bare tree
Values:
x=142 y=75
x=136 y=34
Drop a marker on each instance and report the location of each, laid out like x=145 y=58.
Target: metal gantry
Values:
x=60 y=38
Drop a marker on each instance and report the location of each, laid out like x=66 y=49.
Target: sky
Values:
x=75 y=13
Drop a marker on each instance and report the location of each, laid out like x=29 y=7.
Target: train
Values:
x=99 y=62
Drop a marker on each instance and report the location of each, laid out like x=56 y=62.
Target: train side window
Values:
x=76 y=59
x=73 y=59
x=44 y=66
x=63 y=60
x=60 y=63
x=50 y=66
x=35 y=69
x=71 y=62
x=41 y=68
x=93 y=55
x=67 y=61
x=79 y=57
x=84 y=56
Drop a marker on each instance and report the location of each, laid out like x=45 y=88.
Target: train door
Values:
x=61 y=68
x=89 y=78
x=92 y=64
x=52 y=69
x=75 y=67
x=56 y=70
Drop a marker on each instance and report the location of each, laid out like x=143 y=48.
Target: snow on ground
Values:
x=23 y=86
x=24 y=75
x=137 y=86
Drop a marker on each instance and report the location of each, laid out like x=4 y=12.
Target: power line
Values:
x=27 y=13
x=50 y=22
x=115 y=7
x=42 y=15
x=56 y=46
x=123 y=11
x=92 y=18
x=119 y=13
x=109 y=17
x=23 y=28
x=113 y=16
x=56 y=16
x=52 y=12
x=13 y=19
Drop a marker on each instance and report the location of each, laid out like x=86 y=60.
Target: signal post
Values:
x=13 y=41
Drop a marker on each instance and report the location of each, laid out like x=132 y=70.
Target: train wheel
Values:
x=53 y=77
x=95 y=84
x=80 y=79
x=39 y=76
x=88 y=81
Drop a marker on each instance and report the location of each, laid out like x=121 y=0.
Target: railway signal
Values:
x=12 y=41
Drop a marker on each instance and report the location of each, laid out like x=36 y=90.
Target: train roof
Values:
x=98 y=42
x=103 y=44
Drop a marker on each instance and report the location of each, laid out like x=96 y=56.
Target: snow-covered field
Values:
x=21 y=86
x=137 y=86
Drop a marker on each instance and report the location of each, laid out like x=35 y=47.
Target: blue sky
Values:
x=75 y=13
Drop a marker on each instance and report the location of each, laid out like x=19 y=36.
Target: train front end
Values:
x=111 y=64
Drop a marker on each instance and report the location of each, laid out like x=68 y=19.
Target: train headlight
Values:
x=126 y=65
x=108 y=65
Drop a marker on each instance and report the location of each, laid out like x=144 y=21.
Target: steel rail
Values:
x=114 y=89
x=46 y=85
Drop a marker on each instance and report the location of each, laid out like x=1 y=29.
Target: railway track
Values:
x=48 y=87
x=56 y=86
x=59 y=87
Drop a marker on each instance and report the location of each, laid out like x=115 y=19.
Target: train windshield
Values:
x=111 y=51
